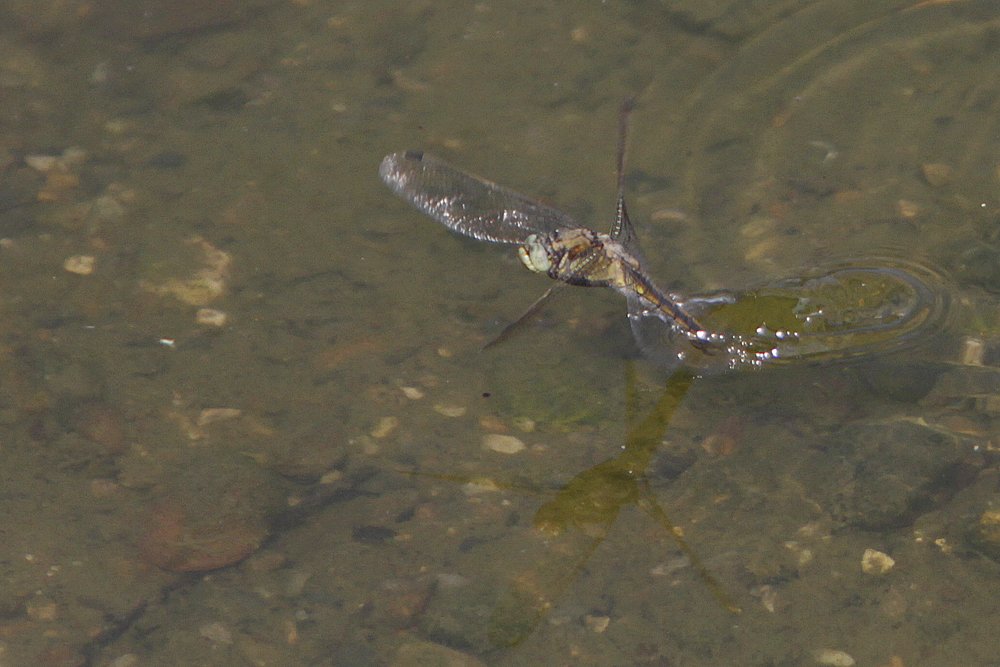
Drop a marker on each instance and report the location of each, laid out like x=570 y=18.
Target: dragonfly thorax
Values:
x=577 y=256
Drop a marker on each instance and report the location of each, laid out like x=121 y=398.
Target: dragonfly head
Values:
x=534 y=254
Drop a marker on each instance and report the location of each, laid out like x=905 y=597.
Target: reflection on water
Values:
x=222 y=339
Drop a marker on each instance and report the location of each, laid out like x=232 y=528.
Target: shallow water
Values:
x=180 y=490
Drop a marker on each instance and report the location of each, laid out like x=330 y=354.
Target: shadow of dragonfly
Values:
x=577 y=519
x=580 y=515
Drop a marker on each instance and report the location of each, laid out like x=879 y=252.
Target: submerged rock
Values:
x=885 y=473
x=210 y=515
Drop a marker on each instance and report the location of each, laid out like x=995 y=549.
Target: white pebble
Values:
x=479 y=485
x=829 y=656
x=597 y=624
x=876 y=562
x=505 y=444
x=210 y=317
x=412 y=393
x=524 y=424
x=80 y=264
x=331 y=477
x=42 y=163
x=449 y=410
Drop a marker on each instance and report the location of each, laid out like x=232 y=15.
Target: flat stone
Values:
x=427 y=654
x=505 y=444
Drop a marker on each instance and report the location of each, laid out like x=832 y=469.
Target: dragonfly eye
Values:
x=534 y=255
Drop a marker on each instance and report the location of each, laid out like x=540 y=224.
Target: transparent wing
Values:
x=466 y=203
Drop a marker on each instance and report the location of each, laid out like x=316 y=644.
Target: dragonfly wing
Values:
x=467 y=203
x=657 y=340
x=622 y=229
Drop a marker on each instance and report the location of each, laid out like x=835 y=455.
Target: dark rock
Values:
x=155 y=19
x=19 y=187
x=167 y=160
x=980 y=265
x=372 y=534
x=15 y=221
x=883 y=475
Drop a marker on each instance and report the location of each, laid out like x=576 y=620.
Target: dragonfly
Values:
x=549 y=241
x=839 y=310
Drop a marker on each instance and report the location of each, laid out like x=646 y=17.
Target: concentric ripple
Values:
x=838 y=311
x=843 y=127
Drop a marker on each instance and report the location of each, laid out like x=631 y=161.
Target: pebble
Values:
x=102 y=424
x=938 y=174
x=385 y=426
x=480 y=485
x=417 y=653
x=42 y=163
x=177 y=540
x=42 y=610
x=505 y=444
x=908 y=209
x=769 y=598
x=876 y=562
x=449 y=410
x=80 y=264
x=195 y=526
x=492 y=423
x=758 y=227
x=265 y=562
x=973 y=351
x=525 y=424
x=368 y=446
x=210 y=317
x=412 y=393
x=331 y=477
x=205 y=284
x=759 y=252
x=597 y=624
x=107 y=209
x=827 y=656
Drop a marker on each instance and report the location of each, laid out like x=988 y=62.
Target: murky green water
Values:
x=225 y=344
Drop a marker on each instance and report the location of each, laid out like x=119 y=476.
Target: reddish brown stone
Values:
x=176 y=542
